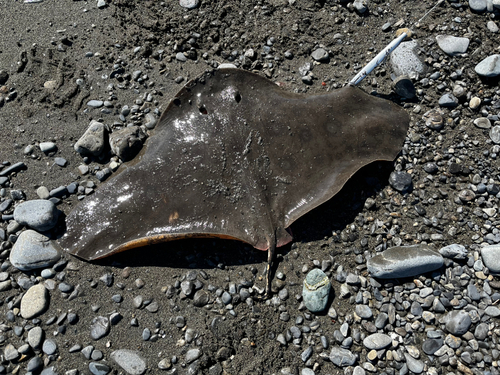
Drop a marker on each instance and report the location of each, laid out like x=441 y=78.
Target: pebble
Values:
x=474 y=103
x=99 y=328
x=431 y=346
x=404 y=261
x=92 y=141
x=361 y=6
x=448 y=100
x=405 y=60
x=33 y=250
x=489 y=67
x=130 y=361
x=492 y=26
x=47 y=147
x=34 y=302
x=127 y=142
x=49 y=347
x=457 y=322
x=10 y=353
x=491 y=258
x=151 y=120
x=316 y=290
x=452 y=45
x=35 y=337
x=401 y=181
x=189 y=4
x=478 y=5
x=482 y=123
x=101 y=4
x=35 y=364
x=492 y=311
x=495 y=134
x=95 y=103
x=414 y=365
x=40 y=215
x=180 y=57
x=97 y=368
x=377 y=341
x=320 y=55
x=192 y=355
x=454 y=251
x=363 y=311
x=342 y=357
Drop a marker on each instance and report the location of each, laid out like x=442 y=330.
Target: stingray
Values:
x=235 y=156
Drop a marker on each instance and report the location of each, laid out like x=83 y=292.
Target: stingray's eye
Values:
x=177 y=102
x=237 y=97
x=203 y=110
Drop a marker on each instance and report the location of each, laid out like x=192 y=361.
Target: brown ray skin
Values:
x=235 y=156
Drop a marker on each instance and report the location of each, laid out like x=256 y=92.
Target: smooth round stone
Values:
x=491 y=258
x=482 y=123
x=226 y=66
x=33 y=250
x=454 y=251
x=192 y=355
x=414 y=365
x=377 y=341
x=316 y=290
x=481 y=331
x=492 y=311
x=495 y=134
x=49 y=347
x=307 y=371
x=478 y=5
x=34 y=302
x=363 y=311
x=431 y=346
x=452 y=45
x=99 y=368
x=320 y=55
x=10 y=352
x=49 y=371
x=189 y=4
x=35 y=364
x=342 y=357
x=200 y=298
x=100 y=327
x=38 y=214
x=35 y=337
x=489 y=67
x=181 y=57
x=474 y=103
x=404 y=261
x=401 y=181
x=457 y=322
x=95 y=103
x=448 y=100
x=492 y=27
x=47 y=146
x=151 y=120
x=130 y=361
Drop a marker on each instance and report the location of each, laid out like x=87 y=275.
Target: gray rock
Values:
x=492 y=27
x=377 y=341
x=414 y=365
x=49 y=347
x=47 y=147
x=492 y=311
x=100 y=327
x=481 y=331
x=431 y=346
x=454 y=251
x=495 y=134
x=181 y=57
x=192 y=355
x=491 y=258
x=448 y=100
x=33 y=250
x=489 y=67
x=457 y=322
x=401 y=181
x=39 y=214
x=452 y=45
x=200 y=298
x=361 y=6
x=342 y=357
x=478 y=5
x=10 y=353
x=49 y=371
x=127 y=142
x=151 y=120
x=35 y=337
x=34 y=302
x=189 y=4
x=320 y=55
x=35 y=364
x=130 y=361
x=99 y=368
x=405 y=60
x=316 y=290
x=363 y=311
x=92 y=142
x=482 y=123
x=95 y=103
x=404 y=261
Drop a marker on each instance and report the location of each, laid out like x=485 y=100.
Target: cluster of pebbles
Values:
x=407 y=286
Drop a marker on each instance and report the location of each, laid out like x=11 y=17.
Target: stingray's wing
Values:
x=234 y=156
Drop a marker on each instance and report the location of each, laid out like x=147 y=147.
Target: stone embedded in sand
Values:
x=316 y=290
x=454 y=251
x=39 y=214
x=34 y=302
x=491 y=258
x=130 y=361
x=452 y=45
x=93 y=140
x=404 y=261
x=127 y=142
x=489 y=67
x=33 y=250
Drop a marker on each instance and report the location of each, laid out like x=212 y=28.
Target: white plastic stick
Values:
x=377 y=60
